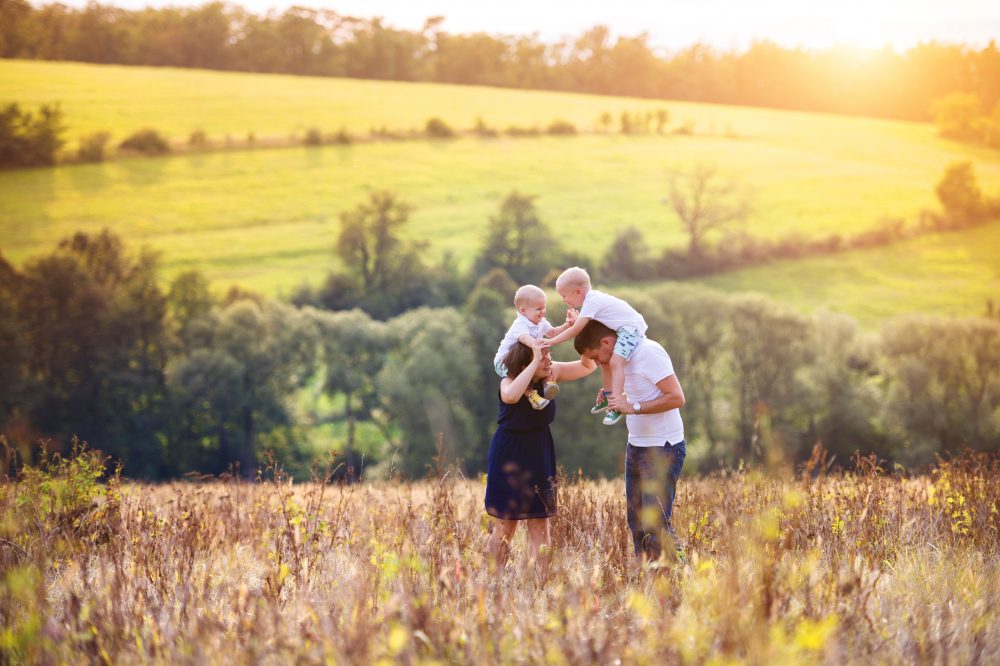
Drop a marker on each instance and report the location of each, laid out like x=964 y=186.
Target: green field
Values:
x=268 y=219
x=944 y=274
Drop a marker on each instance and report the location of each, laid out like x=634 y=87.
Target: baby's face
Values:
x=534 y=311
x=572 y=296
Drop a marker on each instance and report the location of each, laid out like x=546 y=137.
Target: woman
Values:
x=520 y=478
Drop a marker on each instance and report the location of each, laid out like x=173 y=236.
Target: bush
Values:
x=92 y=147
x=514 y=130
x=482 y=129
x=27 y=139
x=341 y=138
x=562 y=128
x=147 y=142
x=313 y=137
x=198 y=139
x=439 y=129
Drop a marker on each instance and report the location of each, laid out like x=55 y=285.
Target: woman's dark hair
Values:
x=517 y=359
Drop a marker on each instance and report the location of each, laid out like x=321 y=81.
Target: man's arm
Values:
x=569 y=333
x=672 y=398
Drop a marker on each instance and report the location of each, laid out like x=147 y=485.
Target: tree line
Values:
x=324 y=43
x=172 y=380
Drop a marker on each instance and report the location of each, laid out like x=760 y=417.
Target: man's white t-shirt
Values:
x=648 y=365
x=612 y=311
x=520 y=326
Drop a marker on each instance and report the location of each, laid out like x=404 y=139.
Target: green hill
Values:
x=267 y=219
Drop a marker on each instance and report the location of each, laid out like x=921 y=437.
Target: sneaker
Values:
x=537 y=401
x=602 y=403
x=551 y=390
x=612 y=417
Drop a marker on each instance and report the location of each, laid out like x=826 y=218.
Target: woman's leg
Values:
x=540 y=537
x=498 y=545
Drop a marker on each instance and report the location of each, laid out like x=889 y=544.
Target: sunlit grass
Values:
x=945 y=274
x=267 y=220
x=782 y=568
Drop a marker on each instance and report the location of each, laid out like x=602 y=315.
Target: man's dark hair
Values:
x=591 y=335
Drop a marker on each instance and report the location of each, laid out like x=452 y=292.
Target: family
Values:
x=639 y=383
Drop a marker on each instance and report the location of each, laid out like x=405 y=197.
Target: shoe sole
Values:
x=551 y=391
x=598 y=410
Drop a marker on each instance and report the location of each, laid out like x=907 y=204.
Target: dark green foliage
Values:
x=428 y=381
x=91 y=320
x=628 y=257
x=519 y=242
x=384 y=274
x=944 y=389
x=30 y=138
x=147 y=142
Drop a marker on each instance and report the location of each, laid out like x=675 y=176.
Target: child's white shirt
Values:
x=612 y=311
x=521 y=326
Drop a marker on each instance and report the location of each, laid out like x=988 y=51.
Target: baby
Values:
x=574 y=288
x=530 y=327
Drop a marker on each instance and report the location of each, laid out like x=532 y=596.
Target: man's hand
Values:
x=620 y=403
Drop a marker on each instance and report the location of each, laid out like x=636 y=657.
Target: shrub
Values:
x=482 y=129
x=147 y=142
x=514 y=130
x=198 y=139
x=313 y=137
x=562 y=128
x=439 y=129
x=342 y=138
x=92 y=147
x=27 y=139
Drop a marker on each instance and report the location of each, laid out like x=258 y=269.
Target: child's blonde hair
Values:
x=574 y=277
x=527 y=294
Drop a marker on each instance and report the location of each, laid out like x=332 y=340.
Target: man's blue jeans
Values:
x=651 y=474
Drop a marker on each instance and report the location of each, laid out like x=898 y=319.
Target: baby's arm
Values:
x=571 y=316
x=528 y=341
x=569 y=333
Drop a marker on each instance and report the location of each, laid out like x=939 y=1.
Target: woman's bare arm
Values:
x=511 y=390
x=573 y=370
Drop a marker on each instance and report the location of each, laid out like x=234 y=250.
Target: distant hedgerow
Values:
x=561 y=127
x=146 y=141
x=92 y=147
x=439 y=129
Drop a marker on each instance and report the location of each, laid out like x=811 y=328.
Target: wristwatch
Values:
x=637 y=406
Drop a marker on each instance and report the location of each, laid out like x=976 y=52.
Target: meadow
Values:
x=782 y=567
x=267 y=219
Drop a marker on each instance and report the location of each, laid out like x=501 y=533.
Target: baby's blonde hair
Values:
x=529 y=293
x=574 y=277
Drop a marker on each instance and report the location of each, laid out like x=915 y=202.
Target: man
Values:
x=655 y=452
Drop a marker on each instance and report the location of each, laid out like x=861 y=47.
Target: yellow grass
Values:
x=844 y=569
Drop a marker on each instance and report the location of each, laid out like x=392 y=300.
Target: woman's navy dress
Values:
x=520 y=476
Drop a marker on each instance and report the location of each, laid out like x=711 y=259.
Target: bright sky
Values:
x=673 y=24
